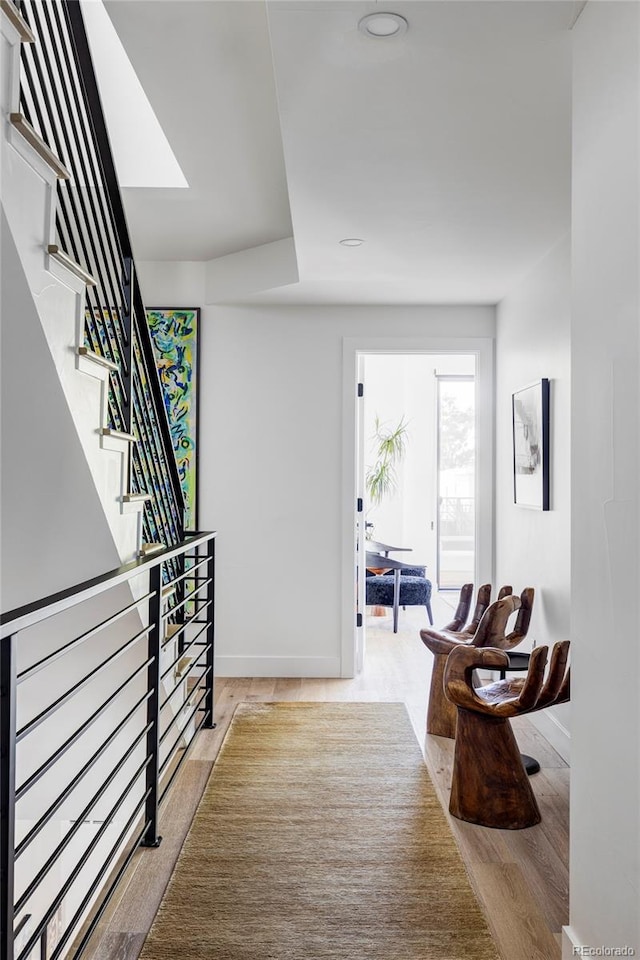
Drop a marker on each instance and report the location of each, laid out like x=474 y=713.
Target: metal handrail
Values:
x=31 y=613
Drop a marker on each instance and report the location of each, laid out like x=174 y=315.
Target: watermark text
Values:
x=604 y=952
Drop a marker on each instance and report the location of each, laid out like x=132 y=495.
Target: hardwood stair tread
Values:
x=54 y=251
x=96 y=358
x=121 y=435
x=24 y=128
x=17 y=20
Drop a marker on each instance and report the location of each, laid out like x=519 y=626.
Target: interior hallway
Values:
x=521 y=877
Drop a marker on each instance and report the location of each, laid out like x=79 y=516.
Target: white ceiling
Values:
x=447 y=149
x=206 y=68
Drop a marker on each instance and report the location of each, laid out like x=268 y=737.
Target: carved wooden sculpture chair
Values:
x=490 y=785
x=461 y=622
x=486 y=628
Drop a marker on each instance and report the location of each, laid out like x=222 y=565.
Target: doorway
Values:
x=408 y=380
x=424 y=497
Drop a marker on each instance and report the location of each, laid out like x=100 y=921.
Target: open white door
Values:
x=360 y=547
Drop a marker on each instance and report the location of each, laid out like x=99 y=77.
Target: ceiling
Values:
x=447 y=150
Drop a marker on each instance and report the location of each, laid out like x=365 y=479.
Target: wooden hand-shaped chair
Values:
x=461 y=623
x=490 y=785
x=486 y=628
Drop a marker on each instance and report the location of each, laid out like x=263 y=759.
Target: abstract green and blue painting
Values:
x=175 y=337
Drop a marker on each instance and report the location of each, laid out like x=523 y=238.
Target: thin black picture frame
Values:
x=530 y=421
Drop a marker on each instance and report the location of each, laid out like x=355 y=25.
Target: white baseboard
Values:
x=550 y=728
x=569 y=943
x=325 y=667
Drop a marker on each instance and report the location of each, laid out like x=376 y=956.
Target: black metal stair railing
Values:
x=59 y=97
x=97 y=715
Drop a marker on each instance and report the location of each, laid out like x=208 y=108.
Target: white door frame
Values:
x=352 y=349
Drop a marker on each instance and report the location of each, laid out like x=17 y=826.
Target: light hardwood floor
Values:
x=521 y=877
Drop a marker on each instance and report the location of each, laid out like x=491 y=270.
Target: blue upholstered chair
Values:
x=415 y=591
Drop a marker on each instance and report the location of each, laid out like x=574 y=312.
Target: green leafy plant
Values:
x=381 y=478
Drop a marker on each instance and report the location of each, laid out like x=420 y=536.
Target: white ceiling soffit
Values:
x=446 y=149
x=206 y=68
x=142 y=154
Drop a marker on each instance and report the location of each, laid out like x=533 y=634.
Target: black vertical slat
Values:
x=127 y=312
x=162 y=420
x=8 y=693
x=211 y=568
x=151 y=837
x=148 y=462
x=161 y=429
x=148 y=458
x=152 y=521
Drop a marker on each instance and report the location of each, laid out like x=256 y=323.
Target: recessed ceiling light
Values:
x=383 y=25
x=351 y=242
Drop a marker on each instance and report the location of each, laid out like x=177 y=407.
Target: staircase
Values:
x=105 y=677
x=64 y=210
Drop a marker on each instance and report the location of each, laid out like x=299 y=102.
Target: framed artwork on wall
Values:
x=530 y=417
x=174 y=332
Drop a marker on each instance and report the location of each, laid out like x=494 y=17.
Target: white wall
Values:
x=172 y=284
x=271 y=464
x=533 y=547
x=53 y=527
x=271 y=471
x=605 y=801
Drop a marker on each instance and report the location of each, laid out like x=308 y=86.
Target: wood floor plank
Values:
x=479 y=844
x=154 y=866
x=532 y=742
x=227 y=695
x=518 y=925
x=288 y=688
x=261 y=689
x=120 y=946
x=547 y=876
x=559 y=780
x=551 y=787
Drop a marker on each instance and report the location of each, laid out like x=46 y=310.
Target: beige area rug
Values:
x=319 y=837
